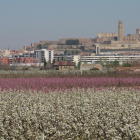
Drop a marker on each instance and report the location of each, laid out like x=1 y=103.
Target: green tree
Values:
x=116 y=63
x=53 y=61
x=126 y=65
x=72 y=42
x=65 y=52
x=45 y=46
x=79 y=64
x=39 y=47
x=82 y=48
x=72 y=52
x=45 y=63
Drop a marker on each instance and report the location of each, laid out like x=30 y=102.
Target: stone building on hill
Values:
x=119 y=41
x=106 y=40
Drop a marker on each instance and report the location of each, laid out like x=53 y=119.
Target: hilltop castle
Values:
x=118 y=41
x=106 y=40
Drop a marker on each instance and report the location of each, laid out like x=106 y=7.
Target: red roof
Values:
x=63 y=63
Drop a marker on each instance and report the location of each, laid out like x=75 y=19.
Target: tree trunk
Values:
x=42 y=135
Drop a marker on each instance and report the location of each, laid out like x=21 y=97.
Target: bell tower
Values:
x=120 y=30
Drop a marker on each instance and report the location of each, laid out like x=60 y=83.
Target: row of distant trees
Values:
x=72 y=42
x=104 y=63
x=135 y=63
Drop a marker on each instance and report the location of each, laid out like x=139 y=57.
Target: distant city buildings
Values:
x=83 y=49
x=21 y=57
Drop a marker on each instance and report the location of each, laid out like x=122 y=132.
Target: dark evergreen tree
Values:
x=39 y=47
x=45 y=63
x=72 y=42
x=53 y=61
x=126 y=65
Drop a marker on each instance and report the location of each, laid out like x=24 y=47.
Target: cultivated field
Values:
x=70 y=106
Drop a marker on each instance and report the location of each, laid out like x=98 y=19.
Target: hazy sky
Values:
x=26 y=21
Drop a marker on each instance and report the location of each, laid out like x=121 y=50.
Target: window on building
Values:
x=49 y=55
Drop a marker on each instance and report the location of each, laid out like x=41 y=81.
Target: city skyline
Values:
x=32 y=21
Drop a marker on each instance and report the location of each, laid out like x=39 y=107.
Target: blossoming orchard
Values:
x=73 y=106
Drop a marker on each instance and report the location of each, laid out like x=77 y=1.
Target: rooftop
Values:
x=63 y=63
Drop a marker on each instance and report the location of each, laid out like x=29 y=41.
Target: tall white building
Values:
x=44 y=54
x=97 y=48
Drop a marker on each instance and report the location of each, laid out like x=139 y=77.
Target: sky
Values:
x=25 y=21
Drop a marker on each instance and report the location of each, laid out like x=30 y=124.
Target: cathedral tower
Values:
x=120 y=30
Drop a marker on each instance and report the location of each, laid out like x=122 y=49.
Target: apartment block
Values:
x=4 y=61
x=44 y=54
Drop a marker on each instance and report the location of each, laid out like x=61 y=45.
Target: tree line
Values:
x=72 y=42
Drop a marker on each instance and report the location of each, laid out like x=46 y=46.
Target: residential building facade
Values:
x=42 y=54
x=62 y=65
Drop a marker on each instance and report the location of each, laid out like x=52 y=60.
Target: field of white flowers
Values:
x=111 y=114
x=51 y=72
